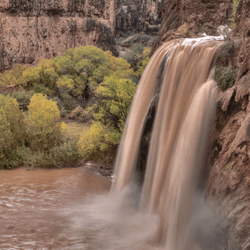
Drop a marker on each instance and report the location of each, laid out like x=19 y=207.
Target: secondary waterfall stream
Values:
x=177 y=92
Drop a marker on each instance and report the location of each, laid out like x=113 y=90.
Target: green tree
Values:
x=113 y=100
x=82 y=69
x=114 y=97
x=44 y=75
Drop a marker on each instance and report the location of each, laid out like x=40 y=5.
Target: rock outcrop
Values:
x=187 y=18
x=35 y=29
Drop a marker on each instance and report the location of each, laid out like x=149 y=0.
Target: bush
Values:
x=43 y=127
x=184 y=29
x=64 y=155
x=76 y=113
x=138 y=48
x=68 y=102
x=98 y=143
x=39 y=88
x=225 y=76
x=225 y=50
x=10 y=160
x=23 y=98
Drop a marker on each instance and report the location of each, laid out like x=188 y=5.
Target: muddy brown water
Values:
x=32 y=205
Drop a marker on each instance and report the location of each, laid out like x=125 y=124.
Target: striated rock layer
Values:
x=35 y=29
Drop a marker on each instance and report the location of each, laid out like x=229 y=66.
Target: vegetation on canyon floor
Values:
x=86 y=85
x=74 y=107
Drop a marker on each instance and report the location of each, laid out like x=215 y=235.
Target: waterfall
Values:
x=185 y=108
x=173 y=109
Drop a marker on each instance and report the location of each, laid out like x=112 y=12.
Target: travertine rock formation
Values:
x=35 y=29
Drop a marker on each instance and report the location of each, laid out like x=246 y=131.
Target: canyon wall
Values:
x=229 y=181
x=35 y=29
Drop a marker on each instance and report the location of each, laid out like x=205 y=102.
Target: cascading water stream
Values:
x=184 y=113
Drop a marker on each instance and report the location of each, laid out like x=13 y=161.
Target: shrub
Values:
x=76 y=113
x=225 y=76
x=98 y=143
x=43 y=127
x=39 y=88
x=64 y=155
x=68 y=102
x=184 y=29
x=225 y=50
x=23 y=98
x=138 y=48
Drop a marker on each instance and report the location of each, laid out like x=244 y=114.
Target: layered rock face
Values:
x=35 y=29
x=187 y=18
x=229 y=180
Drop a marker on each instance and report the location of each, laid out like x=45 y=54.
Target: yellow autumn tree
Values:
x=43 y=126
x=12 y=130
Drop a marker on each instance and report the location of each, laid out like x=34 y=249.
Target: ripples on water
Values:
x=33 y=205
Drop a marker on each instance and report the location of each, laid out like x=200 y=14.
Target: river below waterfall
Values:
x=34 y=205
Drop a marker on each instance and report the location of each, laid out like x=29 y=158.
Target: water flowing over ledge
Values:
x=184 y=110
